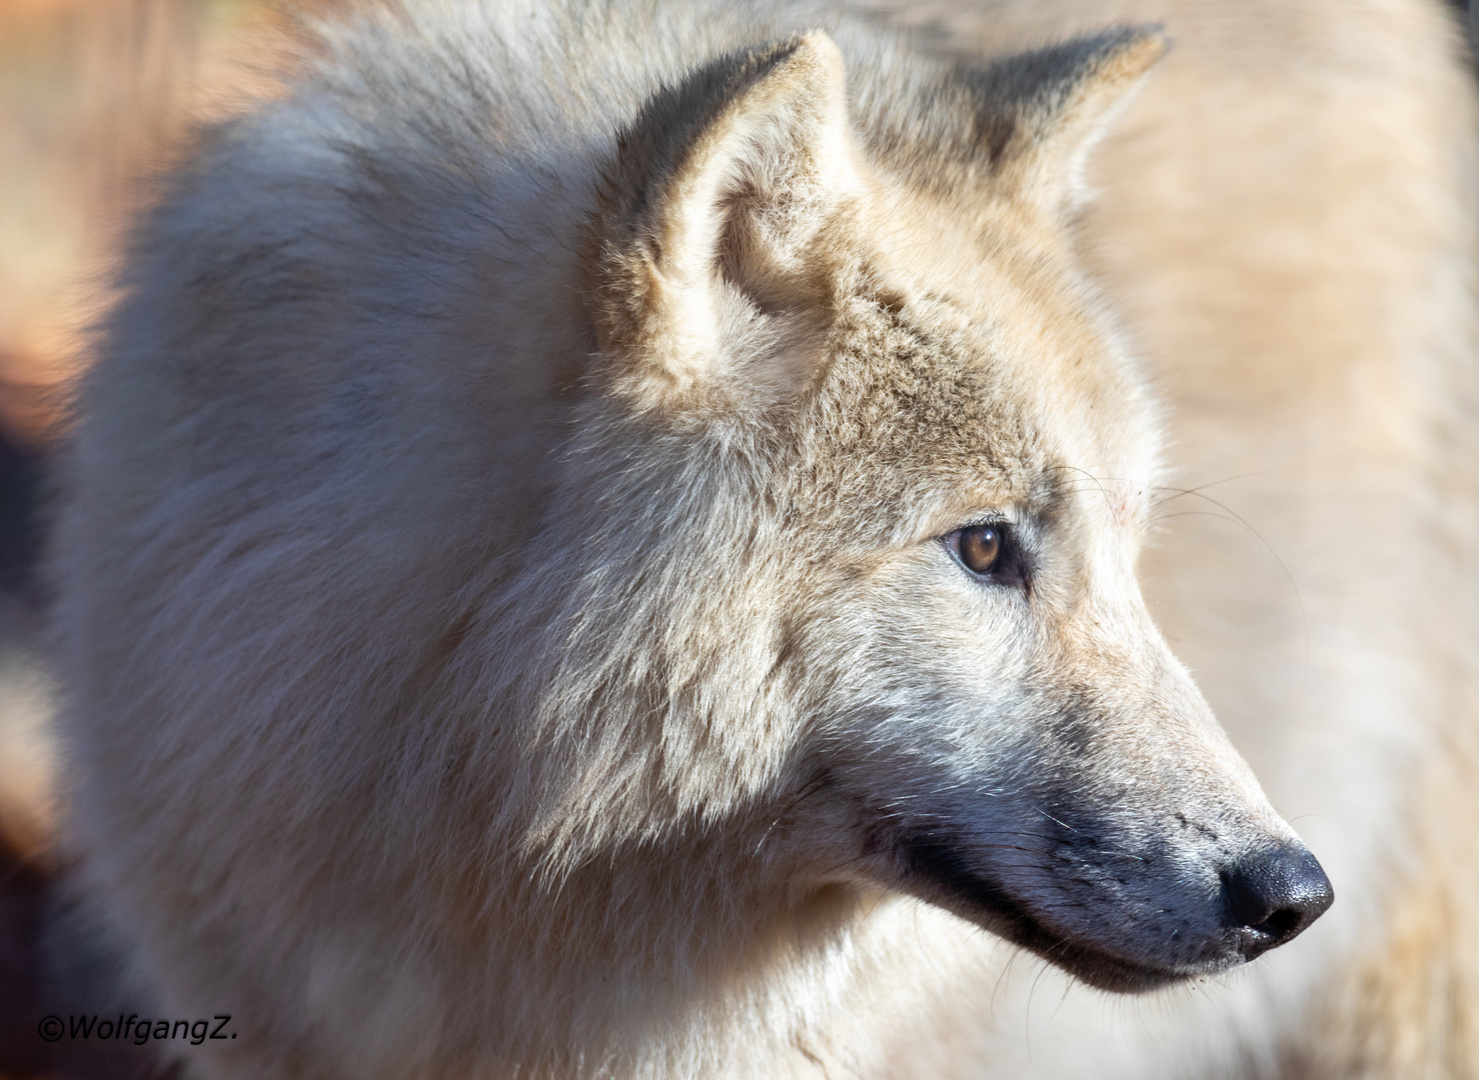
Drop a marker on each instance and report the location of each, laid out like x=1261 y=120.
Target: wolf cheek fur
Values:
x=441 y=713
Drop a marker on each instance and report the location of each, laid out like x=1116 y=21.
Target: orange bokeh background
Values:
x=94 y=96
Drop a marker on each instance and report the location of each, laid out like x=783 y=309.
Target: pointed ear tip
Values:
x=817 y=47
x=1143 y=48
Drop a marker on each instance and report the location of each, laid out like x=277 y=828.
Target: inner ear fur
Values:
x=716 y=231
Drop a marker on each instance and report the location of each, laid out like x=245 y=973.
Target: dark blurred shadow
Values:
x=20 y=533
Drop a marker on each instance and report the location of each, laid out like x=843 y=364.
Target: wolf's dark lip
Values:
x=941 y=874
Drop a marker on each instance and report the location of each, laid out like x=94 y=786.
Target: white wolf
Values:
x=601 y=542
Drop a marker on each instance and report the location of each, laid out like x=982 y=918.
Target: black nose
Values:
x=1272 y=896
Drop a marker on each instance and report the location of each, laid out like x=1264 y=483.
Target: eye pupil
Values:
x=980 y=548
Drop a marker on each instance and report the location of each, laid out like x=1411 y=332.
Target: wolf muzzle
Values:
x=1127 y=943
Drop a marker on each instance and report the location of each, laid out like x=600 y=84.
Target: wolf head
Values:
x=847 y=538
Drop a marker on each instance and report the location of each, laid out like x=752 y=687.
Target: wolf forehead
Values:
x=911 y=413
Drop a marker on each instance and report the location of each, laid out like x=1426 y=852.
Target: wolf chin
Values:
x=602 y=541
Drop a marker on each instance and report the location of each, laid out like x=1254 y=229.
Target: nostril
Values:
x=1282 y=924
x=1273 y=896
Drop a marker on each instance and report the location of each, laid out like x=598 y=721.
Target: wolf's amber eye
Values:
x=979 y=547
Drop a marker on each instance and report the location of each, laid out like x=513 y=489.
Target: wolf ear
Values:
x=713 y=228
x=1038 y=114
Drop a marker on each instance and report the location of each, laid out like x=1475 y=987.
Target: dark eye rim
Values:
x=1011 y=567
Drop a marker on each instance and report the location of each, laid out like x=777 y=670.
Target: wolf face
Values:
x=888 y=446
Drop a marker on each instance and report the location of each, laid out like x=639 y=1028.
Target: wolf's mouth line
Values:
x=968 y=893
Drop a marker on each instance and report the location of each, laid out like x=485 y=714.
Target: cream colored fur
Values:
x=501 y=606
